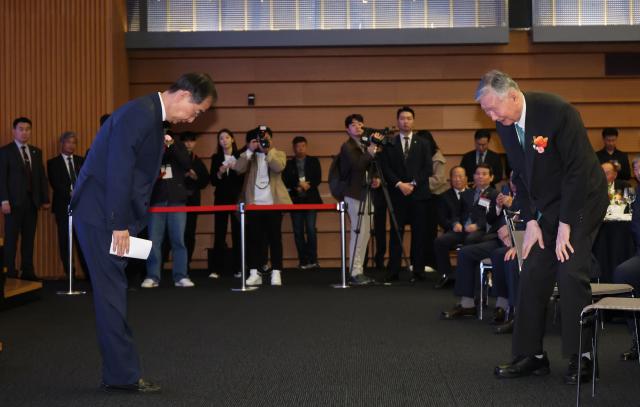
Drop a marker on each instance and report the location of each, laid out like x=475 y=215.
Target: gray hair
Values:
x=497 y=81
x=66 y=136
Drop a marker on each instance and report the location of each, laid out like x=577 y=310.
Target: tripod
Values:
x=374 y=168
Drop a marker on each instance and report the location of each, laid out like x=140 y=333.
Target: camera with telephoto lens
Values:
x=367 y=137
x=262 y=132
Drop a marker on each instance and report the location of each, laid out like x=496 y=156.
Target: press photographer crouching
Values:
x=262 y=165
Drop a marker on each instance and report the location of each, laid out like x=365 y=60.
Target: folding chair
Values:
x=607 y=303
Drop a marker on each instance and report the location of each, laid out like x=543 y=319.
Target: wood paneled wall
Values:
x=64 y=64
x=309 y=91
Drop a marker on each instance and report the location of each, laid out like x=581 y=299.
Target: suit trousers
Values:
x=467 y=272
x=307 y=247
x=380 y=226
x=505 y=276
x=62 y=222
x=120 y=361
x=408 y=212
x=430 y=231
x=220 y=226
x=629 y=273
x=21 y=222
x=541 y=269
x=448 y=241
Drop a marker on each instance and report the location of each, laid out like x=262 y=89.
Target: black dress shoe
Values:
x=391 y=277
x=523 y=366
x=418 y=276
x=141 y=387
x=505 y=328
x=459 y=312
x=498 y=316
x=586 y=370
x=444 y=280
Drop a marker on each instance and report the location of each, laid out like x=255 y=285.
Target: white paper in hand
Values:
x=138 y=248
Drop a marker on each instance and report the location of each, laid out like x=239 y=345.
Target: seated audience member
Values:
x=482 y=154
x=629 y=271
x=263 y=165
x=449 y=215
x=228 y=184
x=495 y=246
x=610 y=153
x=195 y=179
x=169 y=190
x=302 y=175
x=356 y=170
x=477 y=214
x=614 y=185
x=63 y=171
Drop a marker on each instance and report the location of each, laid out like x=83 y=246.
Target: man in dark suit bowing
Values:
x=406 y=165
x=63 y=171
x=563 y=197
x=23 y=190
x=110 y=203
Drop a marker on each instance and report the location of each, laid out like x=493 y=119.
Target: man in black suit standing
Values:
x=482 y=154
x=610 y=153
x=563 y=199
x=23 y=190
x=406 y=165
x=63 y=171
x=110 y=203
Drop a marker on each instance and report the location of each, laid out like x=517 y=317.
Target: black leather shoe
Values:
x=586 y=370
x=523 y=366
x=631 y=354
x=442 y=283
x=418 y=276
x=459 y=312
x=391 y=277
x=141 y=387
x=506 y=328
x=498 y=316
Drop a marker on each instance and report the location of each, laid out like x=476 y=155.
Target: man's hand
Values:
x=510 y=254
x=192 y=174
x=532 y=235
x=6 y=208
x=470 y=228
x=406 y=188
x=305 y=185
x=375 y=182
x=121 y=242
x=168 y=140
x=504 y=236
x=563 y=243
x=372 y=149
x=457 y=227
x=504 y=201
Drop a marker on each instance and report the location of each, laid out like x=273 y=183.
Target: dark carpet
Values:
x=303 y=344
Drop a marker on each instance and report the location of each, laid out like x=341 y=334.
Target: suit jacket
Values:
x=417 y=168
x=621 y=157
x=195 y=185
x=173 y=190
x=116 y=180
x=60 y=182
x=276 y=161
x=485 y=218
x=228 y=188
x=13 y=176
x=492 y=158
x=449 y=209
x=564 y=182
x=312 y=174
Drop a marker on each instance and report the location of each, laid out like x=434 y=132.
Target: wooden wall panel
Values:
x=309 y=91
x=63 y=65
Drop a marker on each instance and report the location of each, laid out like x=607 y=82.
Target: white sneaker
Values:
x=184 y=283
x=429 y=269
x=149 y=283
x=214 y=275
x=254 y=277
x=276 y=279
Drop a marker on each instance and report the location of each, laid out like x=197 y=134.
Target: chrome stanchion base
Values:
x=245 y=289
x=340 y=286
x=71 y=292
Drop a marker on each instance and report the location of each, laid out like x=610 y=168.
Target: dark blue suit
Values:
x=112 y=193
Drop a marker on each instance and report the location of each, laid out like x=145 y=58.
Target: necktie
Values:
x=480 y=158
x=27 y=166
x=406 y=147
x=476 y=197
x=520 y=132
x=72 y=170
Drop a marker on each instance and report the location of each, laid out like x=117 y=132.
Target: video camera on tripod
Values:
x=367 y=138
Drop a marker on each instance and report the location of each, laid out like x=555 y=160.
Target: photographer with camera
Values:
x=355 y=169
x=262 y=165
x=406 y=166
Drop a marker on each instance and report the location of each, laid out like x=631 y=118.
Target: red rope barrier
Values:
x=247 y=208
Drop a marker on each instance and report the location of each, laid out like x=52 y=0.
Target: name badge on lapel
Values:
x=484 y=202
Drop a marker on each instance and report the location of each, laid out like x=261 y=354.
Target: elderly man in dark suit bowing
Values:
x=110 y=203
x=563 y=197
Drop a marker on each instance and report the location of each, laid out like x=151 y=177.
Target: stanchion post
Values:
x=70 y=271
x=343 y=247
x=241 y=211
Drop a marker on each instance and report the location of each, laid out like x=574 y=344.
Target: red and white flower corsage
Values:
x=540 y=143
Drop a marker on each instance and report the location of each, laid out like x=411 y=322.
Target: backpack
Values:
x=337 y=185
